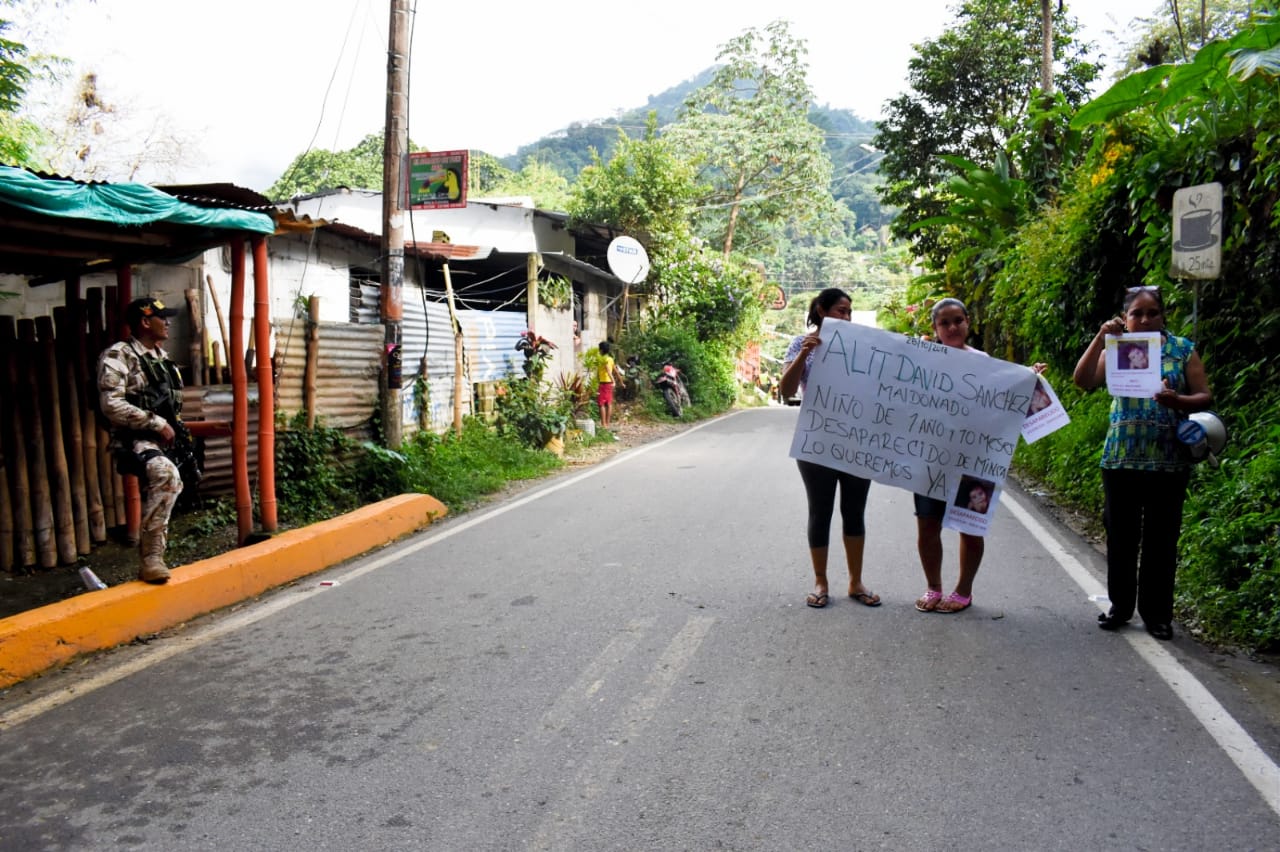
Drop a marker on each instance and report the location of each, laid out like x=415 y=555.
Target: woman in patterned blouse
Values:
x=1144 y=474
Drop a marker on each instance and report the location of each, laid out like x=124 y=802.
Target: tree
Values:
x=311 y=171
x=93 y=138
x=18 y=136
x=971 y=89
x=644 y=190
x=749 y=133
x=547 y=187
x=1183 y=25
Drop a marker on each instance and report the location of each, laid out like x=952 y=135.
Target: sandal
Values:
x=817 y=600
x=866 y=597
x=954 y=603
x=929 y=601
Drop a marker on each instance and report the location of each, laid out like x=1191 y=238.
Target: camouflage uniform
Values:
x=121 y=375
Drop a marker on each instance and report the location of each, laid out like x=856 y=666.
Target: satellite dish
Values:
x=628 y=259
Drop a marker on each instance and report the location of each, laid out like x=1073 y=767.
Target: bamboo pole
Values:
x=64 y=525
x=196 y=349
x=72 y=433
x=106 y=476
x=239 y=400
x=266 y=388
x=216 y=375
x=6 y=510
x=129 y=490
x=37 y=461
x=8 y=532
x=222 y=322
x=87 y=380
x=24 y=547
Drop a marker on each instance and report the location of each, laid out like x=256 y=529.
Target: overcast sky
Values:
x=254 y=82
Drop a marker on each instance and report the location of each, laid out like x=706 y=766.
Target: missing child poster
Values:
x=914 y=414
x=1045 y=413
x=1133 y=364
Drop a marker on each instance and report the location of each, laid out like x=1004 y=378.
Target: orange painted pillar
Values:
x=132 y=492
x=266 y=387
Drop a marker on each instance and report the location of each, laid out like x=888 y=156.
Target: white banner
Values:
x=914 y=414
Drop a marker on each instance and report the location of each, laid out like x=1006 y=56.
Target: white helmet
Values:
x=1204 y=435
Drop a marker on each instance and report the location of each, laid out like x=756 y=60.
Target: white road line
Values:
x=636 y=715
x=1243 y=750
x=172 y=647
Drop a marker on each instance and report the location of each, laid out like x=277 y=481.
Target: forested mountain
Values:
x=569 y=150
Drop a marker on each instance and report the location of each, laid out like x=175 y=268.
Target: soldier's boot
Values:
x=153 y=567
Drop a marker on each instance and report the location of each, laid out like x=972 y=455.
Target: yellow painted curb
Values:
x=34 y=641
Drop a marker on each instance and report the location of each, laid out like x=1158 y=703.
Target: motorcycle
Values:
x=670 y=382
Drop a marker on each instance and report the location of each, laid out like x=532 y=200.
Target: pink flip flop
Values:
x=929 y=601
x=954 y=603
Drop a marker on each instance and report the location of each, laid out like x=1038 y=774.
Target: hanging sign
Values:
x=1197 y=232
x=436 y=179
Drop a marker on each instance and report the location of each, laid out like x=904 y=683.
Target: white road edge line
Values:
x=1235 y=741
x=151 y=656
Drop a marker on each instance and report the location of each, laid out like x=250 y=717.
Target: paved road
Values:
x=622 y=659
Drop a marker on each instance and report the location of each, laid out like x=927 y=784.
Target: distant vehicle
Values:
x=670 y=381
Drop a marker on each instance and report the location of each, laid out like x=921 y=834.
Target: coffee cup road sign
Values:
x=1197 y=232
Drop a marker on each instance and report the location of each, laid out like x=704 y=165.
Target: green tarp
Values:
x=119 y=203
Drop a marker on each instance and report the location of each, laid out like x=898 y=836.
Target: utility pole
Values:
x=393 y=164
x=1046 y=51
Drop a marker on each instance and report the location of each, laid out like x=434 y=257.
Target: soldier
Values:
x=140 y=394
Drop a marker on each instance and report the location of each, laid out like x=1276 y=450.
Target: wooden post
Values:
x=64 y=527
x=222 y=378
x=313 y=361
x=6 y=511
x=198 y=335
x=85 y=375
x=531 y=265
x=73 y=433
x=14 y=442
x=129 y=501
x=106 y=474
x=458 y=383
x=37 y=463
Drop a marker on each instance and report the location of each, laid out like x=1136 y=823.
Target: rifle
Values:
x=162 y=396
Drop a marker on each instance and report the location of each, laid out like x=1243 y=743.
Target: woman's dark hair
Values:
x=825 y=300
x=948 y=302
x=1134 y=292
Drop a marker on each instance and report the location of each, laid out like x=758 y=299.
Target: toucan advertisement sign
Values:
x=437 y=179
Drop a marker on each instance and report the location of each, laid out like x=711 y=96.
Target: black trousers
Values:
x=820 y=487
x=1142 y=512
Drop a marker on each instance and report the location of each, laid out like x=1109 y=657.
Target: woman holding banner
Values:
x=951 y=328
x=1144 y=477
x=820 y=482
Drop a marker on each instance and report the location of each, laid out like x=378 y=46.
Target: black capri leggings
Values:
x=820 y=487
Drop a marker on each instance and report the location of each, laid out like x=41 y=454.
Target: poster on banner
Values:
x=914 y=414
x=1045 y=414
x=1133 y=364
